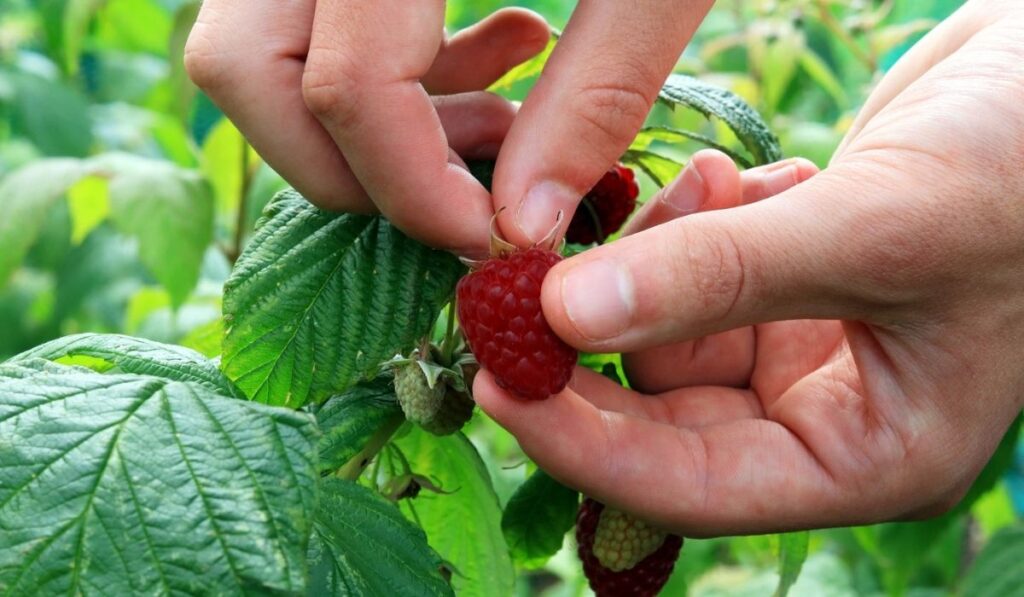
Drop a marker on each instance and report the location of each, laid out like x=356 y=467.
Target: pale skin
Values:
x=805 y=351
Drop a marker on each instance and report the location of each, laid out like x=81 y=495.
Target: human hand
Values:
x=593 y=96
x=334 y=96
x=885 y=299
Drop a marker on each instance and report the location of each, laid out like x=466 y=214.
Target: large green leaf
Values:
x=131 y=484
x=169 y=210
x=136 y=355
x=51 y=115
x=537 y=517
x=349 y=421
x=27 y=195
x=711 y=100
x=364 y=546
x=318 y=300
x=998 y=571
x=792 y=555
x=464 y=526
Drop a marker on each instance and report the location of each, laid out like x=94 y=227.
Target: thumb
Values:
x=797 y=255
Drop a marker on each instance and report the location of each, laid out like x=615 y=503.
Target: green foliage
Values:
x=464 y=526
x=319 y=300
x=537 y=518
x=130 y=466
x=350 y=420
x=364 y=546
x=135 y=356
x=711 y=100
x=998 y=570
x=142 y=484
x=792 y=555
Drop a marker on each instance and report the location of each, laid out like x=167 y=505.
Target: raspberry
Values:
x=623 y=555
x=418 y=400
x=499 y=310
x=606 y=206
x=455 y=411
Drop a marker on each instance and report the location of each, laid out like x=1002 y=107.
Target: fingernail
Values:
x=687 y=192
x=779 y=180
x=598 y=299
x=539 y=210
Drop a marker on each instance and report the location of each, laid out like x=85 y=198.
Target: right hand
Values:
x=334 y=95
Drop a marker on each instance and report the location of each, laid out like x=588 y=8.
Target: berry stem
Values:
x=448 y=346
x=352 y=469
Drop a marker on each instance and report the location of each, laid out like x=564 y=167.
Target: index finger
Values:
x=593 y=96
x=362 y=81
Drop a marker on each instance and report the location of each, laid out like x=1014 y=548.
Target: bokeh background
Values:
x=87 y=78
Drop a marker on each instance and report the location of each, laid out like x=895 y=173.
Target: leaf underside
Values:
x=714 y=101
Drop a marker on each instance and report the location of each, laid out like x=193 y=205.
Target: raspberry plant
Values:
x=280 y=462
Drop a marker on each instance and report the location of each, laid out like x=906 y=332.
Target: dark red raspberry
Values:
x=606 y=206
x=622 y=555
x=500 y=314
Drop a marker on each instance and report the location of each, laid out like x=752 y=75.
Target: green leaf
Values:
x=135 y=26
x=318 y=300
x=778 y=66
x=649 y=134
x=54 y=117
x=662 y=170
x=130 y=484
x=463 y=526
x=138 y=356
x=27 y=196
x=77 y=16
x=351 y=420
x=537 y=517
x=997 y=572
x=206 y=339
x=222 y=164
x=711 y=100
x=169 y=210
x=364 y=546
x=89 y=205
x=821 y=73
x=792 y=555
x=886 y=38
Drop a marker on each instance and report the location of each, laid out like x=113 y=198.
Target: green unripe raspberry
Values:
x=455 y=411
x=621 y=541
x=418 y=400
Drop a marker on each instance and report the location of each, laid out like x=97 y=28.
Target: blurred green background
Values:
x=87 y=78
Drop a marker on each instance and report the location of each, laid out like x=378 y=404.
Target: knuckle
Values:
x=329 y=87
x=204 y=62
x=613 y=110
x=716 y=273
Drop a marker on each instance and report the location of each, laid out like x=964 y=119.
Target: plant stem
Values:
x=449 y=334
x=836 y=28
x=243 y=204
x=355 y=466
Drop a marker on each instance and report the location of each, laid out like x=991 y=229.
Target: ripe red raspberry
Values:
x=499 y=311
x=623 y=555
x=610 y=202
